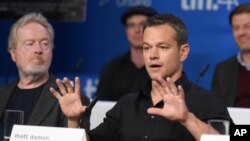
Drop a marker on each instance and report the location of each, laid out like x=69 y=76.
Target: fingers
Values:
x=181 y=91
x=69 y=87
x=172 y=86
x=164 y=84
x=61 y=87
x=68 y=84
x=159 y=88
x=77 y=86
x=155 y=111
x=168 y=85
x=55 y=93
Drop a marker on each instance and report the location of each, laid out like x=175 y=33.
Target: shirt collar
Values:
x=241 y=61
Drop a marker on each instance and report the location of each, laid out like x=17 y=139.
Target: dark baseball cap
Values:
x=143 y=10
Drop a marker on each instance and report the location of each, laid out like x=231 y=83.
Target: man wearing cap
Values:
x=127 y=73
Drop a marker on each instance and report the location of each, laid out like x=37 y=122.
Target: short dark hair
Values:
x=175 y=22
x=137 y=10
x=242 y=8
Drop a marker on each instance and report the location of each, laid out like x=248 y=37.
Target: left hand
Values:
x=174 y=100
x=70 y=100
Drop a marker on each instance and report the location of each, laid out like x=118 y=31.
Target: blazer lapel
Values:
x=5 y=95
x=44 y=104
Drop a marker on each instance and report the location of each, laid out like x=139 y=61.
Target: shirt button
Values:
x=152 y=116
x=146 y=137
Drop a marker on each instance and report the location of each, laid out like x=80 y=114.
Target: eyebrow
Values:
x=163 y=43
x=160 y=43
x=144 y=43
x=45 y=39
x=32 y=40
x=28 y=40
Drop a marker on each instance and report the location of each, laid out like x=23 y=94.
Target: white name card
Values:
x=42 y=133
x=210 y=137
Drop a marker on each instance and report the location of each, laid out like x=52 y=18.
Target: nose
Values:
x=38 y=48
x=138 y=28
x=154 y=53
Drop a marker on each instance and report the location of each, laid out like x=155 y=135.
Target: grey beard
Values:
x=35 y=73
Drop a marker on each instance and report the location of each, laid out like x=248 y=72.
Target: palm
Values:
x=69 y=98
x=71 y=105
x=174 y=102
x=174 y=107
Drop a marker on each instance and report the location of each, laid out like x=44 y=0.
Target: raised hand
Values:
x=174 y=102
x=70 y=98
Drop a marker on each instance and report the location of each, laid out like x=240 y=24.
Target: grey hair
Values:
x=24 y=20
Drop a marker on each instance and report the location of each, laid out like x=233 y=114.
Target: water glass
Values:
x=11 y=117
x=221 y=125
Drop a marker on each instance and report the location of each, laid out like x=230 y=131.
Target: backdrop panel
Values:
x=101 y=38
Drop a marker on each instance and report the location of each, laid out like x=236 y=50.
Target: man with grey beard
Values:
x=31 y=46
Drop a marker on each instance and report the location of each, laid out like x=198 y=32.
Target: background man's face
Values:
x=241 y=30
x=134 y=27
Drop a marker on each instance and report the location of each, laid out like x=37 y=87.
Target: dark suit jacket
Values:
x=47 y=111
x=225 y=80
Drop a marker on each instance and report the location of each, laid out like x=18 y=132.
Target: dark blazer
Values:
x=225 y=80
x=47 y=111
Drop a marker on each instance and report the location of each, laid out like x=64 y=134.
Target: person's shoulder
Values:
x=200 y=92
x=206 y=104
x=228 y=62
x=114 y=65
x=7 y=86
x=196 y=89
x=118 y=60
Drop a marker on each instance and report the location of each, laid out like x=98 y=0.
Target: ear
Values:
x=184 y=51
x=12 y=54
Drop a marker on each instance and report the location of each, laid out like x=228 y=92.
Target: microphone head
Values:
x=78 y=66
x=204 y=70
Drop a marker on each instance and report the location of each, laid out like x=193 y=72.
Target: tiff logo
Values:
x=90 y=87
x=133 y=2
x=121 y=3
x=208 y=5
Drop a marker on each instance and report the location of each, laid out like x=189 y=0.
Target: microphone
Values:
x=202 y=72
x=78 y=66
x=91 y=104
x=85 y=119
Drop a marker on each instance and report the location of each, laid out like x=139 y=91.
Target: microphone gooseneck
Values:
x=202 y=72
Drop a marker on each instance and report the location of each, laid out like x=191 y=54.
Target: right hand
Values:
x=70 y=98
x=174 y=100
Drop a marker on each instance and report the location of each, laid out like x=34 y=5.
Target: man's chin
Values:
x=155 y=76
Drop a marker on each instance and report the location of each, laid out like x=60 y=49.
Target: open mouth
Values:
x=155 y=66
